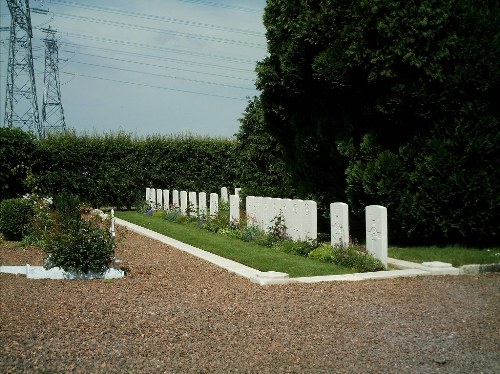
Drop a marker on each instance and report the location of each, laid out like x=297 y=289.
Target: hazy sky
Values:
x=148 y=66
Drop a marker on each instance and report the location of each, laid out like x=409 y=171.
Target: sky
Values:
x=148 y=67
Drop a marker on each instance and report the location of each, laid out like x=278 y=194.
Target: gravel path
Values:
x=175 y=313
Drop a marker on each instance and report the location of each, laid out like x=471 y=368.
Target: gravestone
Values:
x=193 y=203
x=202 y=204
x=223 y=195
x=152 y=198
x=251 y=211
x=267 y=213
x=148 y=192
x=166 y=200
x=234 y=209
x=339 y=223
x=184 y=201
x=159 y=198
x=259 y=212
x=214 y=204
x=310 y=220
x=289 y=218
x=175 y=199
x=376 y=232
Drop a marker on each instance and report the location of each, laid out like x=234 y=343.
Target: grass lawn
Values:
x=457 y=256
x=250 y=254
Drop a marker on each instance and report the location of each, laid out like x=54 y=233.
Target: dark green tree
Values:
x=262 y=171
x=406 y=92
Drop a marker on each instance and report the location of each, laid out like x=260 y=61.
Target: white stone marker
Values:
x=376 y=232
x=259 y=212
x=184 y=201
x=148 y=192
x=152 y=198
x=193 y=203
x=234 y=209
x=214 y=204
x=310 y=220
x=288 y=214
x=223 y=195
x=159 y=198
x=175 y=199
x=296 y=222
x=237 y=191
x=267 y=213
x=250 y=210
x=202 y=204
x=339 y=223
x=166 y=200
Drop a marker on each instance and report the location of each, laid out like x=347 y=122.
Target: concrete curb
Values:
x=406 y=268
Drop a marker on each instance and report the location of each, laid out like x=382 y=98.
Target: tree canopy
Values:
x=391 y=103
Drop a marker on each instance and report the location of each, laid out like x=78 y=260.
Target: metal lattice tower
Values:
x=21 y=106
x=52 y=110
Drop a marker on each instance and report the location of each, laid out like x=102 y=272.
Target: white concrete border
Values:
x=408 y=269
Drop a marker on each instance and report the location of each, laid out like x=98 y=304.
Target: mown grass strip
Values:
x=250 y=254
x=457 y=256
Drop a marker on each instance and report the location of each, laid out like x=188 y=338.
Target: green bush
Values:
x=72 y=243
x=352 y=256
x=16 y=154
x=84 y=249
x=14 y=216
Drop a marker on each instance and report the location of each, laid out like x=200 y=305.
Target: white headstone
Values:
x=223 y=195
x=310 y=220
x=234 y=209
x=148 y=192
x=339 y=223
x=296 y=222
x=376 y=232
x=288 y=214
x=267 y=213
x=202 y=204
x=259 y=212
x=159 y=198
x=193 y=203
x=237 y=191
x=166 y=200
x=250 y=211
x=175 y=199
x=214 y=204
x=152 y=197
x=184 y=201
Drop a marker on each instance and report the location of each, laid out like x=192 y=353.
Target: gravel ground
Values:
x=175 y=313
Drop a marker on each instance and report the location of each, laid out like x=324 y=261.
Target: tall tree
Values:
x=397 y=92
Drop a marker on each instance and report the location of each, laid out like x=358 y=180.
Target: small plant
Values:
x=172 y=215
x=14 y=217
x=351 y=255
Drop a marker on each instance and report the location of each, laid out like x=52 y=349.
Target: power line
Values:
x=189 y=35
x=156 y=48
x=156 y=57
x=146 y=16
x=219 y=5
x=153 y=86
x=162 y=75
x=163 y=66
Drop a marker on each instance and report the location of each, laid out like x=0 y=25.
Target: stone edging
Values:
x=407 y=269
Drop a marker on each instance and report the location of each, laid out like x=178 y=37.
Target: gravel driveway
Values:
x=175 y=313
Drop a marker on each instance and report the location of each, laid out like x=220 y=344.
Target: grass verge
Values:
x=457 y=256
x=250 y=254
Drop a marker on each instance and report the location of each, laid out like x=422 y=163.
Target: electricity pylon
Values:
x=21 y=106
x=52 y=109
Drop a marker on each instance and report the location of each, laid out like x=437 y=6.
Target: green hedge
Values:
x=114 y=169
